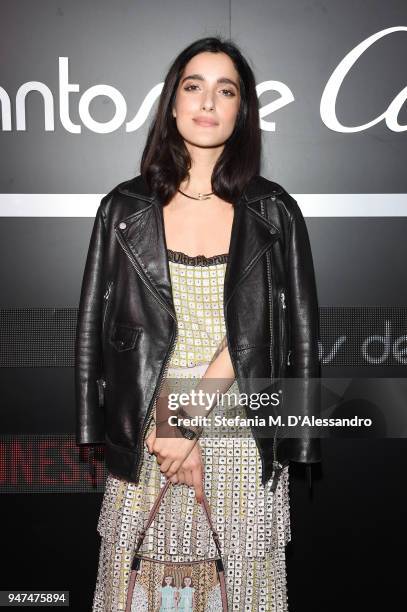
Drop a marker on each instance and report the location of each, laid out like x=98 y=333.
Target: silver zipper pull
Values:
x=282 y=298
x=101 y=383
x=277 y=469
x=288 y=357
x=107 y=292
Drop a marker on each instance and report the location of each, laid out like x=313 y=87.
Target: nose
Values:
x=208 y=100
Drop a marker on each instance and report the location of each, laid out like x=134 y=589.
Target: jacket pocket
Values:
x=124 y=337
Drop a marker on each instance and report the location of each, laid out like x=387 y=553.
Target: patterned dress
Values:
x=253 y=523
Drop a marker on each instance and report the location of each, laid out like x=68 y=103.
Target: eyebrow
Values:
x=199 y=77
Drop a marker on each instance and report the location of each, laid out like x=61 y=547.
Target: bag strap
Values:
x=154 y=510
x=136 y=560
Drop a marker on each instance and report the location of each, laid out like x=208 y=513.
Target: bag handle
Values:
x=154 y=510
x=136 y=561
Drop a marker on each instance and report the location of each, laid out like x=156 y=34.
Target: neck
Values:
x=203 y=161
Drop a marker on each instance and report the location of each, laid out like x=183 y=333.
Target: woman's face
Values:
x=208 y=89
x=187 y=580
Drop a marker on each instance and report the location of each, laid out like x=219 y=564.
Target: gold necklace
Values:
x=201 y=196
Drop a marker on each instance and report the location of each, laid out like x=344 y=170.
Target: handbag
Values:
x=186 y=586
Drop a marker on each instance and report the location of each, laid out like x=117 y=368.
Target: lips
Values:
x=205 y=122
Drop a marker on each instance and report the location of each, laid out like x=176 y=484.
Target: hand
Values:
x=178 y=458
x=191 y=472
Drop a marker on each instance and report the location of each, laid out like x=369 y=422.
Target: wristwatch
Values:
x=187 y=432
x=190 y=434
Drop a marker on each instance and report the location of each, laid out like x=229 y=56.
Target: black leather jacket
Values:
x=126 y=328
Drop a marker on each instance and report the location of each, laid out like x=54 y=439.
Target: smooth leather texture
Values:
x=126 y=326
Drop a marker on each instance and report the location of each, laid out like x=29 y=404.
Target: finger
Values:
x=174 y=479
x=186 y=474
x=197 y=476
x=181 y=476
x=188 y=478
x=169 y=467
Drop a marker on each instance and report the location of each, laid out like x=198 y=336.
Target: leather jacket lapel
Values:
x=251 y=236
x=142 y=237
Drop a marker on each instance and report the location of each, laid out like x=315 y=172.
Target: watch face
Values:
x=187 y=433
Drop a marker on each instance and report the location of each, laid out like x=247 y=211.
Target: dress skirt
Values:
x=252 y=522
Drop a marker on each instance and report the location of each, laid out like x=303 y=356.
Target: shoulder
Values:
x=125 y=198
x=134 y=187
x=276 y=196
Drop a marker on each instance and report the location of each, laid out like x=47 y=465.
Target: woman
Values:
x=198 y=270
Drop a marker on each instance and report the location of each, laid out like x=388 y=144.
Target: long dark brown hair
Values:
x=165 y=161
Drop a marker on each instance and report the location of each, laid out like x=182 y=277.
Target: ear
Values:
x=174 y=113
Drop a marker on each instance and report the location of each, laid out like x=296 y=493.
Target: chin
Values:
x=196 y=141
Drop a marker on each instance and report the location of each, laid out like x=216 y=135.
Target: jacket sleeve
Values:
x=303 y=373
x=88 y=341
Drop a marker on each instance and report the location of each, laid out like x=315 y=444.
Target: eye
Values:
x=232 y=93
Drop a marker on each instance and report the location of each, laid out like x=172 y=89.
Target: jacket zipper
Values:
x=282 y=308
x=101 y=386
x=106 y=297
x=272 y=370
x=169 y=354
x=282 y=327
x=101 y=381
x=277 y=466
